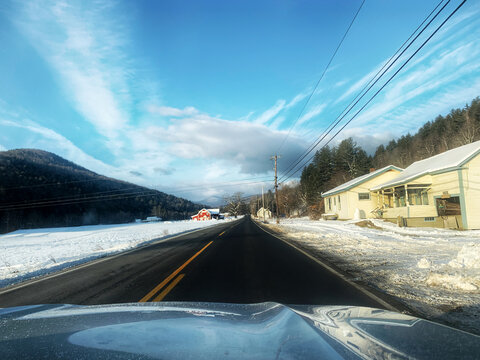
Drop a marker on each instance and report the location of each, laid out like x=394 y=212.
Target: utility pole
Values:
x=263 y=205
x=275 y=157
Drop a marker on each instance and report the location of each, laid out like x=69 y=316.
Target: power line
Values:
x=321 y=77
x=393 y=59
x=354 y=102
x=387 y=82
x=71 y=201
x=137 y=188
x=69 y=197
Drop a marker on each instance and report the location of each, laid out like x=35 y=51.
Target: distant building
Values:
x=152 y=219
x=440 y=191
x=268 y=213
x=353 y=199
x=208 y=214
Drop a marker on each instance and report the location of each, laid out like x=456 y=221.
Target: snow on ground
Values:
x=29 y=253
x=435 y=272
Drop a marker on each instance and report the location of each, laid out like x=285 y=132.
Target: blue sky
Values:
x=182 y=95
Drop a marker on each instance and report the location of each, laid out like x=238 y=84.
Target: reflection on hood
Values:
x=211 y=331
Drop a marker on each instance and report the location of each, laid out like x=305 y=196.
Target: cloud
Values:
x=316 y=110
x=163 y=171
x=48 y=139
x=359 y=84
x=84 y=46
x=234 y=143
x=367 y=140
x=448 y=76
x=270 y=113
x=296 y=100
x=173 y=112
x=2 y=148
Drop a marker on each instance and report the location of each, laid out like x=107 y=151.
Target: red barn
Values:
x=203 y=214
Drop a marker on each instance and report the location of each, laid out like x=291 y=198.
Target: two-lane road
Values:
x=233 y=262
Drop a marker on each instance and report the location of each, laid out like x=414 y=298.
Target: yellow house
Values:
x=440 y=191
x=261 y=213
x=354 y=199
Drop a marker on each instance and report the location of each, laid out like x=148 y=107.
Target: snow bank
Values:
x=29 y=253
x=436 y=272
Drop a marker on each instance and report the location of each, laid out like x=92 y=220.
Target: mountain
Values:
x=41 y=189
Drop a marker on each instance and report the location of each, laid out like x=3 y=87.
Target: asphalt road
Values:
x=232 y=262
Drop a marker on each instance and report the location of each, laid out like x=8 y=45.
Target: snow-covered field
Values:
x=435 y=272
x=29 y=253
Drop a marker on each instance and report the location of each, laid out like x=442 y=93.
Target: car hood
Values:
x=209 y=331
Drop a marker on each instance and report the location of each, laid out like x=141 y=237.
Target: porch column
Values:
x=406 y=196
x=383 y=199
x=394 y=203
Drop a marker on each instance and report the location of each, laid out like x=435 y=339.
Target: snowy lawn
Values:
x=29 y=253
x=435 y=272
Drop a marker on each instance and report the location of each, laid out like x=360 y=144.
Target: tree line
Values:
x=30 y=176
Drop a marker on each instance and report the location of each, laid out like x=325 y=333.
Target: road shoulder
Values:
x=386 y=300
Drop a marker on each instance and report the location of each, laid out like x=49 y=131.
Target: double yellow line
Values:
x=160 y=286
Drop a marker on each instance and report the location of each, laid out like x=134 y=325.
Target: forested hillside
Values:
x=333 y=166
x=41 y=189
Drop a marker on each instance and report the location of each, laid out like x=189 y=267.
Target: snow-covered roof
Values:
x=357 y=181
x=214 y=211
x=446 y=161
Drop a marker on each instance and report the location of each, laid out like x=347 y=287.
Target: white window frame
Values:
x=363 y=193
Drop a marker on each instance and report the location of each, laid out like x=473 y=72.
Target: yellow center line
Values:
x=169 y=288
x=171 y=276
x=221 y=233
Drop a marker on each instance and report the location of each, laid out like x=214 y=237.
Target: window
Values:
x=329 y=203
x=417 y=197
x=429 y=219
x=400 y=197
x=424 y=197
x=364 y=196
x=335 y=201
x=339 y=205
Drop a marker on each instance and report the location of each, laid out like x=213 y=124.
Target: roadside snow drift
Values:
x=435 y=272
x=29 y=253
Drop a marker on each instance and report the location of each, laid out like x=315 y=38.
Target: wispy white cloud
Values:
x=359 y=84
x=50 y=140
x=296 y=100
x=173 y=112
x=340 y=83
x=443 y=73
x=314 y=111
x=275 y=124
x=269 y=114
x=2 y=148
x=84 y=46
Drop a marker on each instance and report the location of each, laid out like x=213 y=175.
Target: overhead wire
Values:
x=386 y=83
x=364 y=90
x=373 y=81
x=120 y=196
x=138 y=189
x=321 y=77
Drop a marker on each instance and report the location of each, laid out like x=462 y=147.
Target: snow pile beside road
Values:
x=436 y=272
x=29 y=253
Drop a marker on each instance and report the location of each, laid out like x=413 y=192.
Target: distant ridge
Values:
x=41 y=189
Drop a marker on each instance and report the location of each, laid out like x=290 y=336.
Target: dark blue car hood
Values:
x=233 y=331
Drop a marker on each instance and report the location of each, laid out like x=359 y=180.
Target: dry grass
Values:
x=368 y=224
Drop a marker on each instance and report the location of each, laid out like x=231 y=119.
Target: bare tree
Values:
x=469 y=130
x=236 y=204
